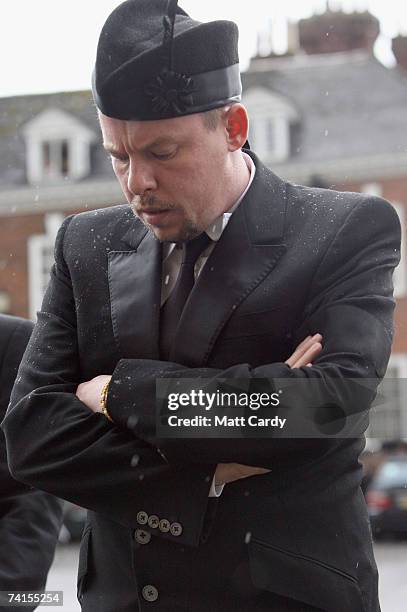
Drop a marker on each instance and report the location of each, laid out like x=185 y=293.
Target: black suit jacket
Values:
x=292 y=261
x=29 y=519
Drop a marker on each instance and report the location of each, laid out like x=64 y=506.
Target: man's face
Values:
x=172 y=172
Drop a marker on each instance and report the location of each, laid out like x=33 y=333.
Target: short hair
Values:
x=212 y=118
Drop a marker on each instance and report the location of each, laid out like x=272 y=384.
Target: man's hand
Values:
x=303 y=355
x=306 y=352
x=229 y=472
x=90 y=391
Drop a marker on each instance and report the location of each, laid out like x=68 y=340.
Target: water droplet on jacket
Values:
x=135 y=460
x=132 y=421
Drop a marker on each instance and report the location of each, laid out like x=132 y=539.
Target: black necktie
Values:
x=173 y=307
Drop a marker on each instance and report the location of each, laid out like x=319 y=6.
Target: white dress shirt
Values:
x=172 y=258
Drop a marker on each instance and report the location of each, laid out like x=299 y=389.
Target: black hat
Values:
x=155 y=62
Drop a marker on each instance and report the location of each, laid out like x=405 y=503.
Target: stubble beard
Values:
x=186 y=232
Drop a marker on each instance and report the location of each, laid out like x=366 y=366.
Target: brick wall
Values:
x=394 y=190
x=14 y=234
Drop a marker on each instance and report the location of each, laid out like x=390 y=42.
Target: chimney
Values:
x=265 y=40
x=335 y=31
x=399 y=48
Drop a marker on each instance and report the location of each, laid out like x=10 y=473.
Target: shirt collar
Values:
x=216 y=228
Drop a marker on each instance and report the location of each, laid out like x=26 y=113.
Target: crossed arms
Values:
x=56 y=443
x=90 y=392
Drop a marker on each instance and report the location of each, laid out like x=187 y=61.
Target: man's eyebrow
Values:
x=113 y=150
x=161 y=141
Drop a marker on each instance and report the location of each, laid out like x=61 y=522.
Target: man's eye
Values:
x=163 y=156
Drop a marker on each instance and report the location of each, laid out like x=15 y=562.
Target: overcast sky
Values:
x=49 y=45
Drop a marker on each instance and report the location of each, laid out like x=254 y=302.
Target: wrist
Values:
x=103 y=400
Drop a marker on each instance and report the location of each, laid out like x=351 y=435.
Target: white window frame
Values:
x=53 y=126
x=54 y=172
x=276 y=150
x=269 y=107
x=374 y=189
x=387 y=422
x=400 y=273
x=40 y=250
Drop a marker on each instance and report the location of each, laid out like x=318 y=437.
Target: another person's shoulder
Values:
x=14 y=336
x=12 y=326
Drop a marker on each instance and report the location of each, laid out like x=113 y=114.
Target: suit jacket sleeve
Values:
x=29 y=519
x=57 y=444
x=350 y=302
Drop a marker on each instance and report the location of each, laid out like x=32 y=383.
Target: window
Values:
x=269 y=137
x=262 y=134
x=5 y=302
x=40 y=261
x=55 y=159
x=399 y=278
x=271 y=116
x=388 y=418
x=374 y=189
x=57 y=147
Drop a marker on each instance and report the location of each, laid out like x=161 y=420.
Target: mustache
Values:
x=151 y=203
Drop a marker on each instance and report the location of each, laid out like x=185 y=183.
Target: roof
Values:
x=349 y=104
x=16 y=112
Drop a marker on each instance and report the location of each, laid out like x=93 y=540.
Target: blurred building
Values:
x=51 y=165
x=327 y=114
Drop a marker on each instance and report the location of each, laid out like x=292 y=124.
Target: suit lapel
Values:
x=248 y=250
x=135 y=286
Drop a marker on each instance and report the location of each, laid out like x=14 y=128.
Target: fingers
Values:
x=248 y=470
x=304 y=342
x=308 y=357
x=229 y=472
x=303 y=349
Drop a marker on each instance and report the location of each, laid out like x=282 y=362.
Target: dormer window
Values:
x=58 y=148
x=270 y=116
x=262 y=134
x=55 y=159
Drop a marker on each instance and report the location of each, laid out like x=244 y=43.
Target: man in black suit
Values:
x=29 y=519
x=275 y=266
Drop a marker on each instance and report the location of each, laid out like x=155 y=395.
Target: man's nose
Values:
x=140 y=178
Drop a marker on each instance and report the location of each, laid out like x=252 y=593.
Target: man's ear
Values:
x=237 y=126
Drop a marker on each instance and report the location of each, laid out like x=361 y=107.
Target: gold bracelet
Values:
x=103 y=398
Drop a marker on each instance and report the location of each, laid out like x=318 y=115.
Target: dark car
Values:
x=386 y=498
